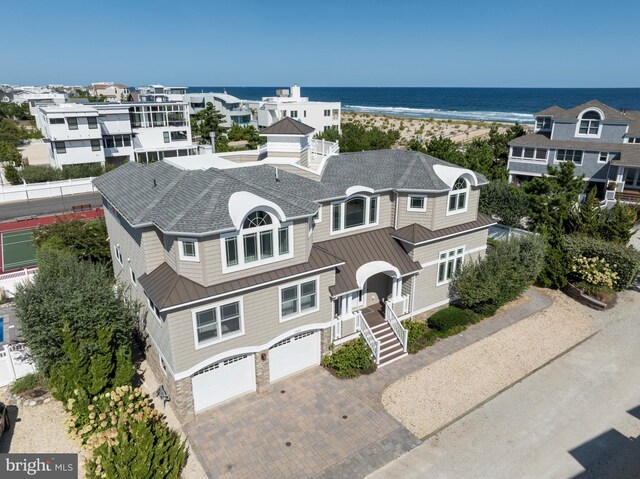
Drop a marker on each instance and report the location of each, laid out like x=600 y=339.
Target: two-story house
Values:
x=602 y=142
x=249 y=273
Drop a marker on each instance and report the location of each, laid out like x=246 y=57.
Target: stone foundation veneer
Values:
x=180 y=393
x=325 y=341
x=263 y=380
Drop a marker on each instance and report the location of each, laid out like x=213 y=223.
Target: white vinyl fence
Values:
x=50 y=189
x=14 y=363
x=9 y=281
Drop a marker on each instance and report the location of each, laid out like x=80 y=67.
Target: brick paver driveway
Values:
x=315 y=425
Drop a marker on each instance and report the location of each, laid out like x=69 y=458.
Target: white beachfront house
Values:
x=36 y=96
x=115 y=133
x=319 y=115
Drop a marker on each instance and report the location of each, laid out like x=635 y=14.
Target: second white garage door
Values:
x=223 y=380
x=294 y=354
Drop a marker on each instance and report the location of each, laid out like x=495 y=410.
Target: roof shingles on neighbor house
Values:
x=196 y=201
x=288 y=126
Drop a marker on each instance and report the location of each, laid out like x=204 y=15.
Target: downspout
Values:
x=413 y=294
x=395 y=219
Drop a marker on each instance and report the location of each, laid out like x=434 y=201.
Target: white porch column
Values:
x=620 y=178
x=396 y=288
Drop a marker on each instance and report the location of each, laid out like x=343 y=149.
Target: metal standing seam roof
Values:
x=168 y=289
x=359 y=249
x=288 y=126
x=417 y=234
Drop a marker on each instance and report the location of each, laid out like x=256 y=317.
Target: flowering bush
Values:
x=125 y=435
x=594 y=271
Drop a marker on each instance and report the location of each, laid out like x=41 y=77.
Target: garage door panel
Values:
x=294 y=354
x=223 y=380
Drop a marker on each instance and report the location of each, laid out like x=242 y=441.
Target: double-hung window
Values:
x=356 y=212
x=93 y=122
x=259 y=240
x=188 y=249
x=298 y=299
x=569 y=155
x=118 y=254
x=603 y=157
x=95 y=145
x=417 y=203
x=215 y=323
x=543 y=123
x=458 y=197
x=73 y=123
x=590 y=124
x=449 y=262
x=60 y=147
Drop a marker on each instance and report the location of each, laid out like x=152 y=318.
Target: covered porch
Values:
x=627 y=184
x=372 y=292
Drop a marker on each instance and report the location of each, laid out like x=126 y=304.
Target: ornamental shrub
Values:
x=351 y=360
x=451 y=317
x=419 y=335
x=509 y=268
x=622 y=260
x=595 y=271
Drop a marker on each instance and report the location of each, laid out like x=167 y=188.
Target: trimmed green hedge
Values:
x=451 y=317
x=351 y=360
x=419 y=335
x=624 y=260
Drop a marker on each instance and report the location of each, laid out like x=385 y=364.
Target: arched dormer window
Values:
x=262 y=239
x=458 y=197
x=355 y=212
x=590 y=123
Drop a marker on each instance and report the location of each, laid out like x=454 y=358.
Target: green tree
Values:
x=506 y=202
x=205 y=121
x=75 y=294
x=10 y=154
x=356 y=137
x=12 y=174
x=447 y=150
x=87 y=240
x=589 y=216
x=617 y=223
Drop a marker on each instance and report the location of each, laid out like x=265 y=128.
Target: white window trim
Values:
x=183 y=257
x=131 y=276
x=298 y=285
x=556 y=160
x=424 y=204
x=161 y=360
x=606 y=159
x=218 y=305
x=151 y=305
x=318 y=219
x=118 y=254
x=525 y=159
x=446 y=260
x=580 y=119
x=275 y=227
x=367 y=207
x=458 y=211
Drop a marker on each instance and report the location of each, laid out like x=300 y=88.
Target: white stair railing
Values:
x=396 y=325
x=370 y=339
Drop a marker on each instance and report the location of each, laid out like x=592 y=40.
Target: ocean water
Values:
x=485 y=104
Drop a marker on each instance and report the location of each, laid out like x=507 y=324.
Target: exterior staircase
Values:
x=390 y=346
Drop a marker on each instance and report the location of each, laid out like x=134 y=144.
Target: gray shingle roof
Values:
x=386 y=169
x=288 y=126
x=629 y=152
x=196 y=201
x=572 y=113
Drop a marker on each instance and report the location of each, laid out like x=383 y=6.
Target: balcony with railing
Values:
x=320 y=150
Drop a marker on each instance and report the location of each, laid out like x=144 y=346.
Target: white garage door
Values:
x=223 y=380
x=294 y=354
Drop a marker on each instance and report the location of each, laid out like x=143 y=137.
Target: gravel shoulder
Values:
x=36 y=429
x=430 y=398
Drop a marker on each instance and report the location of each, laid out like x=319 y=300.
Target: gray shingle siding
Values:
x=611 y=133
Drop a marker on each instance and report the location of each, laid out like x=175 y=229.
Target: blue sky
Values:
x=561 y=43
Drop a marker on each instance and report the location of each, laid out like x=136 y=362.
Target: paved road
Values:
x=579 y=417
x=47 y=206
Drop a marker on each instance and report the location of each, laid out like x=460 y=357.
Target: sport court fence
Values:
x=50 y=189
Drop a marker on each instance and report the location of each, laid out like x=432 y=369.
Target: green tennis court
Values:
x=18 y=250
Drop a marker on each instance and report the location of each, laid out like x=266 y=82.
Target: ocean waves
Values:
x=502 y=116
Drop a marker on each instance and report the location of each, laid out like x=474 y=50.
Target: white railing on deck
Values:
x=363 y=327
x=320 y=149
x=396 y=325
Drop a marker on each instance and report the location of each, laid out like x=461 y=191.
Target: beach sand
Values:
x=425 y=129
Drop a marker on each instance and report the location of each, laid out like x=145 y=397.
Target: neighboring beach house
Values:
x=248 y=272
x=110 y=91
x=231 y=107
x=115 y=133
x=603 y=143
